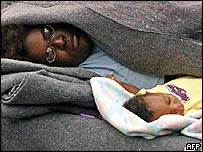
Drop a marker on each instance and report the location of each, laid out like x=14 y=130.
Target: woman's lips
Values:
x=74 y=42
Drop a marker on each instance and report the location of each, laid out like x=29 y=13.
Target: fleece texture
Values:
x=151 y=37
x=40 y=105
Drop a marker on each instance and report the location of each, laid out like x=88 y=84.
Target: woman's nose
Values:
x=58 y=42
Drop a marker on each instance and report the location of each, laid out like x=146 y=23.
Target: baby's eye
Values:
x=168 y=101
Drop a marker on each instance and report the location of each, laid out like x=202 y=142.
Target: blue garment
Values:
x=102 y=64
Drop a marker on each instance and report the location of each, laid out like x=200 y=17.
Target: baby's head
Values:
x=151 y=106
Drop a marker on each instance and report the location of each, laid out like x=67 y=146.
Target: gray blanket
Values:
x=30 y=89
x=149 y=36
x=152 y=37
x=62 y=132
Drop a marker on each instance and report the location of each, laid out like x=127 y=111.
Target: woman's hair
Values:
x=138 y=106
x=12 y=37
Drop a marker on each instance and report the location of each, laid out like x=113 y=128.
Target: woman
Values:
x=64 y=45
x=55 y=45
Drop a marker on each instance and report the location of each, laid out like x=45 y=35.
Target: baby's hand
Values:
x=112 y=77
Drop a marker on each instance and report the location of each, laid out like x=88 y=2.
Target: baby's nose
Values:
x=174 y=109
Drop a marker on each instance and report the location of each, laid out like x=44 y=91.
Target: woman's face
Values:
x=162 y=103
x=72 y=46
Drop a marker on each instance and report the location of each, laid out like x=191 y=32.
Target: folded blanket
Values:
x=29 y=89
x=147 y=36
x=110 y=96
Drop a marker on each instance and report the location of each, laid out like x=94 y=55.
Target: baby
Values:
x=178 y=96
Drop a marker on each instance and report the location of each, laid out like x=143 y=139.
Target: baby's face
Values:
x=162 y=103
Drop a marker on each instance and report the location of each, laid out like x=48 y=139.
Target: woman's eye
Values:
x=47 y=33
